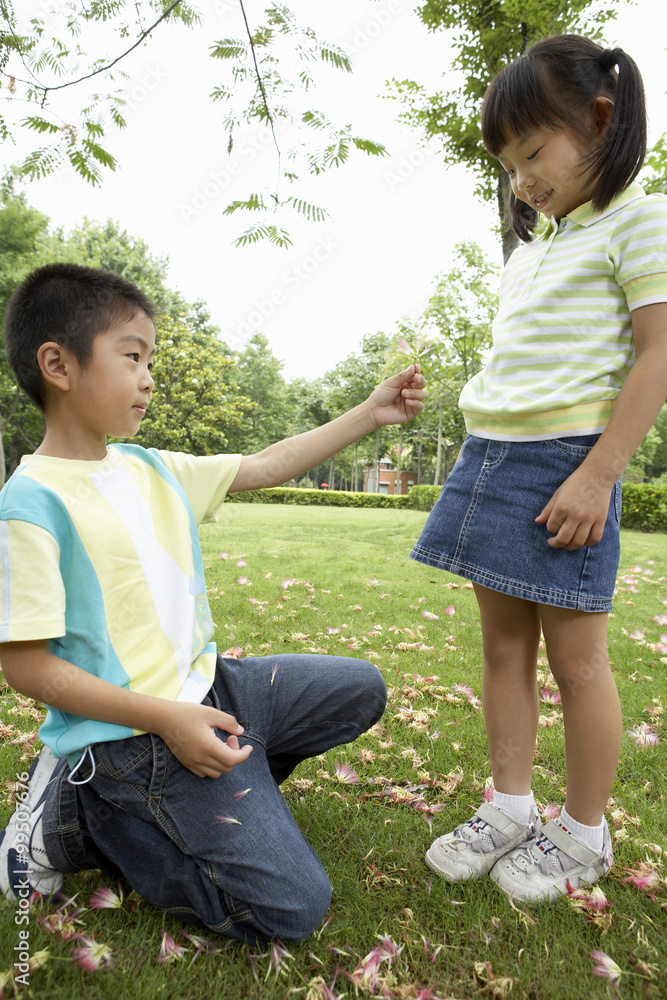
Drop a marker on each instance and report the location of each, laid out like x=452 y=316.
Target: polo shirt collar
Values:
x=586 y=215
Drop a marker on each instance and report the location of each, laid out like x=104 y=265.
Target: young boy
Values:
x=161 y=760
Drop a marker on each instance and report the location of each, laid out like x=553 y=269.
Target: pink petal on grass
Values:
x=243 y=581
x=235 y=653
x=241 y=563
x=169 y=950
x=288 y=583
x=637 y=635
x=449 y=610
x=606 y=967
x=106 y=899
x=346 y=774
x=90 y=954
x=431 y=617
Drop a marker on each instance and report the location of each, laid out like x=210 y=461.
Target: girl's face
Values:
x=546 y=169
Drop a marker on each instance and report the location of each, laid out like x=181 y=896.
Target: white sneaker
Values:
x=473 y=848
x=24 y=864
x=552 y=863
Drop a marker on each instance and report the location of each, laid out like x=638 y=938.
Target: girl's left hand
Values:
x=577 y=512
x=398 y=398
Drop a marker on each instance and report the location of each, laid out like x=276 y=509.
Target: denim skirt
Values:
x=483 y=525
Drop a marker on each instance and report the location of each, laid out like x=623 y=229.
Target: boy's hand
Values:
x=398 y=398
x=189 y=731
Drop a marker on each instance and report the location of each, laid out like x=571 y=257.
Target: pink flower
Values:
x=403 y=345
x=431 y=617
x=331 y=631
x=488 y=792
x=644 y=735
x=552 y=697
x=346 y=774
x=227 y=820
x=643 y=877
x=606 y=967
x=366 y=756
x=201 y=945
x=277 y=957
x=637 y=635
x=241 y=563
x=243 y=581
x=106 y=899
x=551 y=811
x=660 y=619
x=274 y=671
x=235 y=653
x=449 y=610
x=169 y=950
x=224 y=555
x=241 y=795
x=288 y=583
x=90 y=954
x=593 y=899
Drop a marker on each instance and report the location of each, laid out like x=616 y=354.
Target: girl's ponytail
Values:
x=620 y=154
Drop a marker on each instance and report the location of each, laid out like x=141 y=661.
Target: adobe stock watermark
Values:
x=291 y=281
x=365 y=34
x=406 y=166
x=218 y=180
x=21 y=947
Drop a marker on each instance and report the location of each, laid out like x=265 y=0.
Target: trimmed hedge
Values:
x=319 y=498
x=644 y=504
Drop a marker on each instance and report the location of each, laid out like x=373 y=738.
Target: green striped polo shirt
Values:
x=562 y=339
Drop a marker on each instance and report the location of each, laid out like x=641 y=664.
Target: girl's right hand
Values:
x=189 y=730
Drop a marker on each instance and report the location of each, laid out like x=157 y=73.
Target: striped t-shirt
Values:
x=562 y=339
x=103 y=560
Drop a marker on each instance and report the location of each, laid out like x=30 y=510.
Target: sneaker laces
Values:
x=542 y=854
x=479 y=836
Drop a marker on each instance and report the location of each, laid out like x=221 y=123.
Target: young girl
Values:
x=530 y=512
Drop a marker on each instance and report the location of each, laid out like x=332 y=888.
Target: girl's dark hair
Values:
x=554 y=85
x=70 y=305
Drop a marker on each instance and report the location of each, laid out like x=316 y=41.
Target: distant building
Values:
x=388 y=480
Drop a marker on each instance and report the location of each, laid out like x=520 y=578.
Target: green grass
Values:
x=350 y=571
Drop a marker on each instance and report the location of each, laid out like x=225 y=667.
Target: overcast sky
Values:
x=395 y=220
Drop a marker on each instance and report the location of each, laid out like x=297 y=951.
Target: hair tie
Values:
x=609 y=59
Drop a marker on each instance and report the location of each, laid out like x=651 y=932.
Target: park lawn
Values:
x=299 y=579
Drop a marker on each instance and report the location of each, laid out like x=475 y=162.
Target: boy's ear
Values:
x=53 y=364
x=602 y=109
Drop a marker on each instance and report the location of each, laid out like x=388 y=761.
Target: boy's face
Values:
x=111 y=393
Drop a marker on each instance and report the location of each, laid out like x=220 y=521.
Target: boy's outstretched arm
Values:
x=394 y=401
x=189 y=730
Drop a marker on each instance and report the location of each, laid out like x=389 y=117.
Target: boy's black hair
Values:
x=553 y=85
x=70 y=305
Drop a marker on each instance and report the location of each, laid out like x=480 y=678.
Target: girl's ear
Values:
x=53 y=365
x=602 y=109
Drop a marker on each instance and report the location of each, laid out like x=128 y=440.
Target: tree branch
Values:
x=104 y=69
x=260 y=83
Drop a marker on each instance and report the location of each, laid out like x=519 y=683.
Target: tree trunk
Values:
x=355 y=471
x=436 y=477
x=332 y=472
x=377 y=460
x=2 y=455
x=398 y=461
x=510 y=239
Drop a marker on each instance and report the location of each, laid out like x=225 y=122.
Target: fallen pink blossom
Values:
x=169 y=950
x=346 y=774
x=606 y=967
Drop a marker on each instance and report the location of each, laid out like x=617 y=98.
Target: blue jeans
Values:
x=144 y=816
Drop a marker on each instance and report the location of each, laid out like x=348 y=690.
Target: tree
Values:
x=23 y=235
x=197 y=403
x=449 y=342
x=258 y=372
x=43 y=55
x=487 y=35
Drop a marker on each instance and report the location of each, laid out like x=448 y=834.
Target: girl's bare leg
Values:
x=510 y=638
x=577 y=650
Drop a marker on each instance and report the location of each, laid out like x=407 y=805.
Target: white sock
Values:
x=519 y=807
x=592 y=836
